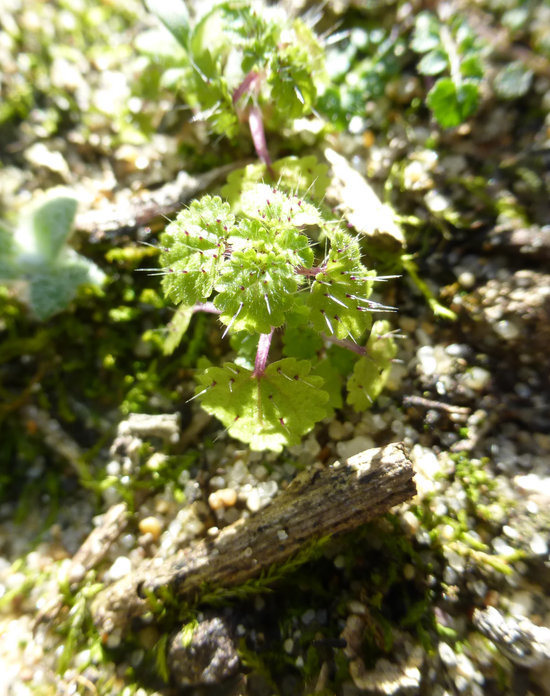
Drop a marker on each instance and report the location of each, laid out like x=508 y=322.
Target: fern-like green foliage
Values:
x=453 y=53
x=236 y=55
x=37 y=261
x=269 y=262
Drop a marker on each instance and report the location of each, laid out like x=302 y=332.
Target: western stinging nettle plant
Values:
x=272 y=264
x=239 y=61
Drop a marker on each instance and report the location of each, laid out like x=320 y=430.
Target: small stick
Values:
x=414 y=400
x=97 y=544
x=318 y=503
x=150 y=206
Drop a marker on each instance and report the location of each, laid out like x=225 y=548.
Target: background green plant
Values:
x=238 y=62
x=37 y=259
x=452 y=53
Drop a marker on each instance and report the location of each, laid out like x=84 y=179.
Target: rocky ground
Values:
x=448 y=594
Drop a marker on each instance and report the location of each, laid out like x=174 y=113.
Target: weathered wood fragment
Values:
x=319 y=502
x=97 y=544
x=148 y=207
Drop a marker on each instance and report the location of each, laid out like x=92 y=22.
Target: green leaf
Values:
x=38 y=256
x=224 y=122
x=302 y=342
x=464 y=36
x=162 y=46
x=174 y=15
x=434 y=62
x=193 y=249
x=222 y=36
x=187 y=632
x=342 y=359
x=332 y=383
x=246 y=346
x=160 y=652
x=304 y=175
x=52 y=290
x=255 y=290
x=426 y=33
x=268 y=412
x=452 y=105
x=50 y=225
x=339 y=295
x=278 y=209
x=257 y=284
x=9 y=269
x=449 y=47
x=513 y=81
x=291 y=82
x=371 y=371
x=176 y=328
x=472 y=67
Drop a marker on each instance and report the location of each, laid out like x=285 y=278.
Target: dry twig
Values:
x=319 y=502
x=148 y=207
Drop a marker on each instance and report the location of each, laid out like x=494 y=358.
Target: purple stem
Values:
x=262 y=352
x=245 y=85
x=206 y=307
x=250 y=83
x=256 y=125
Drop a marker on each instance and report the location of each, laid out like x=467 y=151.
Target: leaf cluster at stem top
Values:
x=267 y=260
x=238 y=55
x=263 y=269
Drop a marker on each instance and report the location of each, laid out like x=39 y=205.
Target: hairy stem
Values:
x=208 y=307
x=262 y=352
x=256 y=125
x=251 y=83
x=246 y=85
